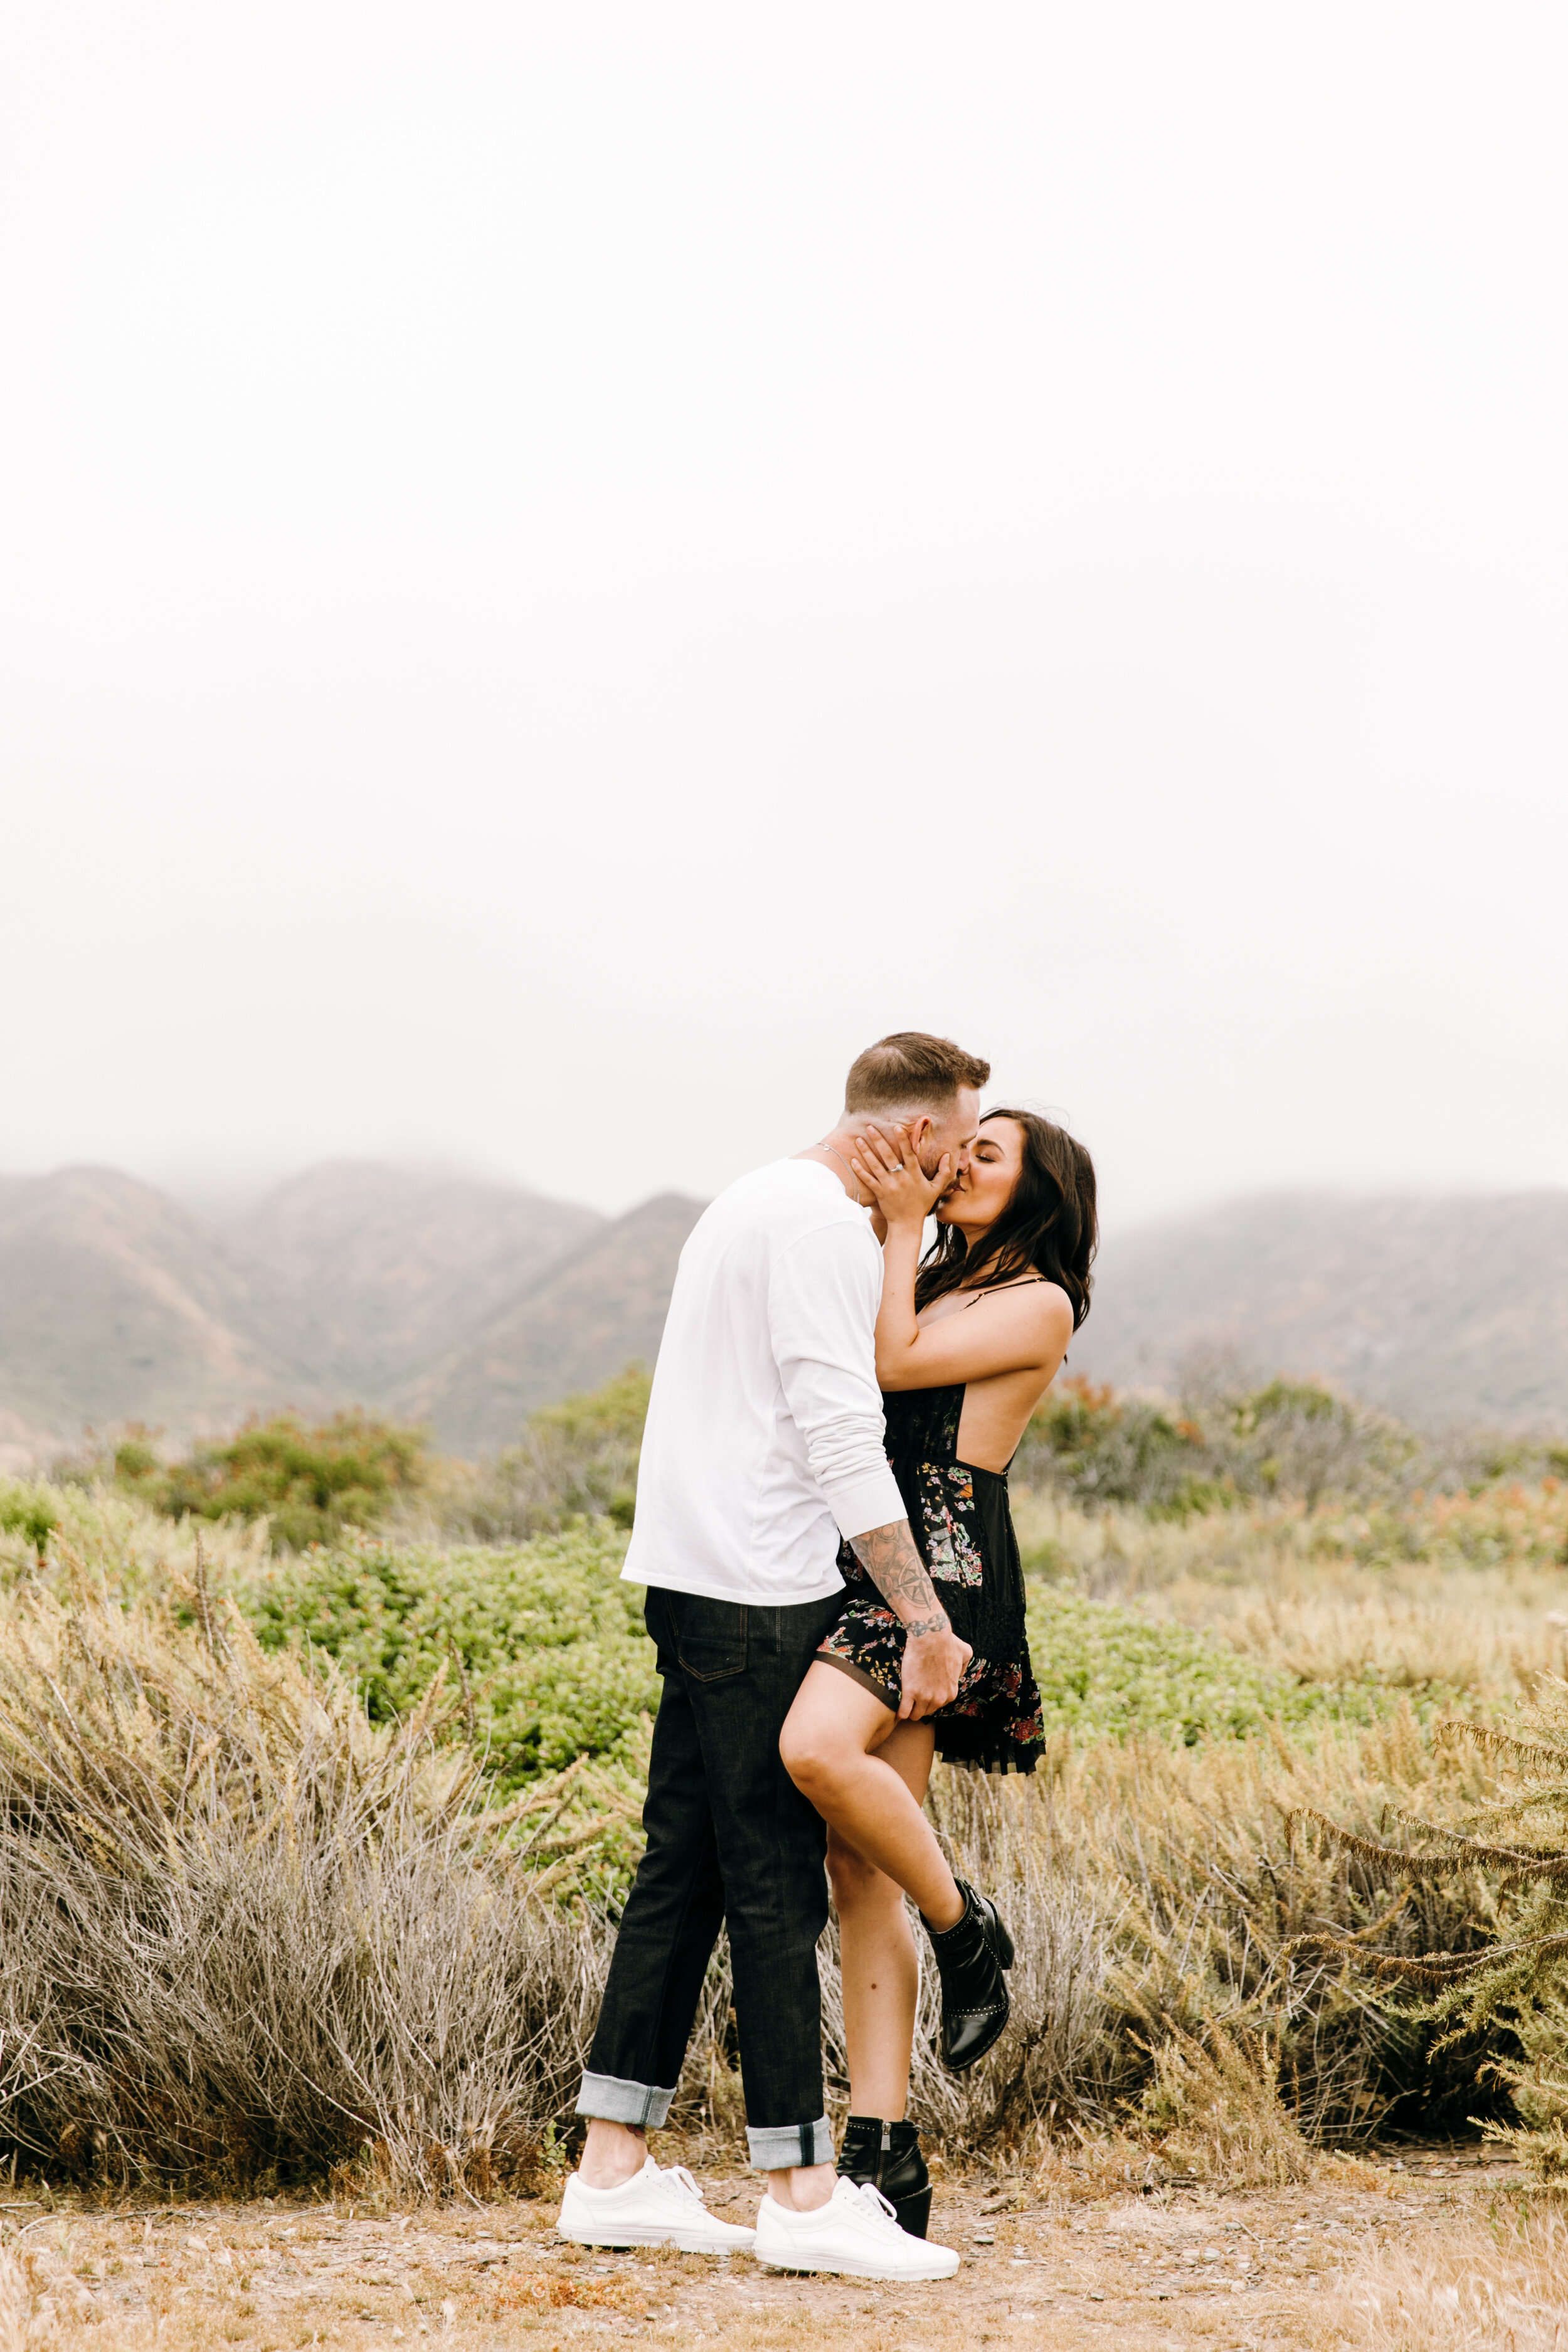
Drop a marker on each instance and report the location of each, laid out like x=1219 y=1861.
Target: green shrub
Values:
x=1108 y=1672
x=29 y=1512
x=1508 y=1998
x=1289 y=1438
x=1105 y=1672
x=593 y=1444
x=310 y=1482
x=1299 y=1400
x=545 y=1639
x=1088 y=1443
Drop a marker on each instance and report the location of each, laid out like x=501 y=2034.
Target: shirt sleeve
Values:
x=822 y=1314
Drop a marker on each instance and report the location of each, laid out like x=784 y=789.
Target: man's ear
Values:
x=919 y=1127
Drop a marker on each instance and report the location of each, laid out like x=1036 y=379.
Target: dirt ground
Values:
x=1064 y=2261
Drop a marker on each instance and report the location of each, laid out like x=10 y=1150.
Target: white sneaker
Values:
x=655 y=2207
x=856 y=2233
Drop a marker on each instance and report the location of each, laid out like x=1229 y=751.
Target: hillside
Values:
x=582 y=1320
x=1442 y=1311
x=397 y=1266
x=469 y=1304
x=353 y=1283
x=116 y=1304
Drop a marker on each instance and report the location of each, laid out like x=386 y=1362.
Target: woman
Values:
x=968 y=1344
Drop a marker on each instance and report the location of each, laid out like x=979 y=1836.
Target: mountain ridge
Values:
x=469 y=1303
x=400 y=1264
x=578 y=1323
x=119 y=1304
x=1440 y=1308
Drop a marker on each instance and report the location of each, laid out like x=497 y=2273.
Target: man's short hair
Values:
x=910 y=1071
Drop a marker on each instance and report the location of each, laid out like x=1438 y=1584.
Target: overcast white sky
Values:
x=563 y=567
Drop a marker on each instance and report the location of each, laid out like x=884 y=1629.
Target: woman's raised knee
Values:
x=810 y=1754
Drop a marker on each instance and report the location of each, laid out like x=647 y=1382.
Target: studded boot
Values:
x=889 y=2156
x=971 y=1957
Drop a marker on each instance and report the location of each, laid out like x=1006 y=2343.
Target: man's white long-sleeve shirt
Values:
x=764 y=1433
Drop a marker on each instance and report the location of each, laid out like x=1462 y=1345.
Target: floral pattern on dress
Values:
x=1006 y=1683
x=947 y=1517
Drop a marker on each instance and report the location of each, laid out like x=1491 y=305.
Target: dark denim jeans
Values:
x=730 y=1839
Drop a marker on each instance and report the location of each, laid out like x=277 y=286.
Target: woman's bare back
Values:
x=996 y=1404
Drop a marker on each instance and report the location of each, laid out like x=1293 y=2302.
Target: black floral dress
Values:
x=964 y=1528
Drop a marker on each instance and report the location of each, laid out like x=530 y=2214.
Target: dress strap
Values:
x=1025 y=1282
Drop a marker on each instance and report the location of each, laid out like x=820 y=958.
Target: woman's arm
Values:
x=1026 y=1329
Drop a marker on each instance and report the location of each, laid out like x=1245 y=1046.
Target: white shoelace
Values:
x=684 y=2186
x=878 y=2207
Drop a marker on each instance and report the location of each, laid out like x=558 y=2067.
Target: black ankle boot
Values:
x=970 y=1957
x=889 y=2156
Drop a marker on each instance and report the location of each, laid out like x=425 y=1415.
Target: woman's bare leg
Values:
x=826 y=1744
x=879 y=1967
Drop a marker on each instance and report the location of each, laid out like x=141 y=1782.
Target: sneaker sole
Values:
x=850 y=2268
x=685 y=2241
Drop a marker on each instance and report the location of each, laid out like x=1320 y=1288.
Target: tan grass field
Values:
x=1466 y=1592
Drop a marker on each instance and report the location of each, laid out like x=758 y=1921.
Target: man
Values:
x=763 y=1446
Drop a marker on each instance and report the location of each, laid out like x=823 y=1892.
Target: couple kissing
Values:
x=835 y=1594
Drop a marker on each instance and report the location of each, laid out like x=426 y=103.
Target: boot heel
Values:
x=914 y=2212
x=995 y=1934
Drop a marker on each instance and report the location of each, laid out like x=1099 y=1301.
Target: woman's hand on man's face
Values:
x=886 y=1165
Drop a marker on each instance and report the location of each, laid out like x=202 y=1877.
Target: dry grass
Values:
x=1214 y=2107
x=109 y=1546
x=1479 y=2284
x=1155 y=1890
x=255 y=1935
x=1462 y=1595
x=249 y=1933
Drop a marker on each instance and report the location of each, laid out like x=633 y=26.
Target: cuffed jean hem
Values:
x=776 y=2147
x=612 y=2101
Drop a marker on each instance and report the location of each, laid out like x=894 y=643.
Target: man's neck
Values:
x=834 y=1153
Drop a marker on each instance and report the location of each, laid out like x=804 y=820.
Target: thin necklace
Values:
x=859 y=1203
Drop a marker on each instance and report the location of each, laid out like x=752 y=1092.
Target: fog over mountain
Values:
x=523 y=524
x=1440 y=1311
x=118 y=1304
x=468 y=1304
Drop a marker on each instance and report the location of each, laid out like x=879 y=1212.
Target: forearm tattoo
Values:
x=890 y=1558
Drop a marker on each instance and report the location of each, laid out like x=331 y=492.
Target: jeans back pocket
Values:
x=710 y=1636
